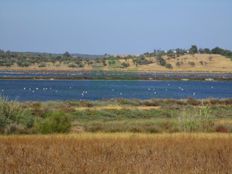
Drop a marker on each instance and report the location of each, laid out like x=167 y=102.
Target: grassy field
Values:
x=117 y=153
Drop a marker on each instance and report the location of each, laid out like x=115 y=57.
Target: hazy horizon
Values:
x=113 y=27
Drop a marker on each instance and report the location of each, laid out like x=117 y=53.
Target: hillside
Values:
x=186 y=62
x=197 y=62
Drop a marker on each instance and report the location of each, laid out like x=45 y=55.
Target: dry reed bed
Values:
x=117 y=153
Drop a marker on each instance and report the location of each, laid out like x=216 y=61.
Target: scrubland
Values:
x=119 y=115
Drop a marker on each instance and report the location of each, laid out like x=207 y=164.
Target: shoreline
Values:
x=112 y=75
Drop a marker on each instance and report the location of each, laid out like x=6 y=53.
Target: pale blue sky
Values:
x=113 y=26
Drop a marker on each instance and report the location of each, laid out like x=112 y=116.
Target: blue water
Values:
x=44 y=90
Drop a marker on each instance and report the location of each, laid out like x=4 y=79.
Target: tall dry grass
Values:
x=117 y=153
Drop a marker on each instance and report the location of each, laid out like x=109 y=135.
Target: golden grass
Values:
x=117 y=153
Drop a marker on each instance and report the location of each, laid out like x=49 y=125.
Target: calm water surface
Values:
x=44 y=90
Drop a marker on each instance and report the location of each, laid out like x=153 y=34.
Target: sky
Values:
x=113 y=26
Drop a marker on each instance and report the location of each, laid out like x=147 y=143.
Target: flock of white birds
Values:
x=85 y=92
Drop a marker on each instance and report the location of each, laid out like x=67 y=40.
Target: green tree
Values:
x=160 y=60
x=67 y=54
x=193 y=49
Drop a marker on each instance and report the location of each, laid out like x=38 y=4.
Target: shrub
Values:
x=199 y=121
x=161 y=61
x=112 y=62
x=72 y=65
x=7 y=63
x=12 y=112
x=81 y=65
x=42 y=65
x=24 y=63
x=191 y=63
x=169 y=66
x=125 y=65
x=203 y=63
x=142 y=61
x=55 y=122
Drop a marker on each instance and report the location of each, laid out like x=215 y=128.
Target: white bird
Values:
x=180 y=88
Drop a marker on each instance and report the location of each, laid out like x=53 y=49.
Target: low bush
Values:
x=169 y=66
x=55 y=122
x=191 y=63
x=125 y=65
x=142 y=61
x=24 y=63
x=42 y=65
x=72 y=65
x=12 y=113
x=196 y=121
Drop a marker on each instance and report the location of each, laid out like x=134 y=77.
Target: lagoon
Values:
x=45 y=90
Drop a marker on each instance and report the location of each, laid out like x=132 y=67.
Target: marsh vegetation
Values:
x=119 y=115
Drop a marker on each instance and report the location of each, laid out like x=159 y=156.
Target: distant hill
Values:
x=193 y=59
x=197 y=62
x=75 y=55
